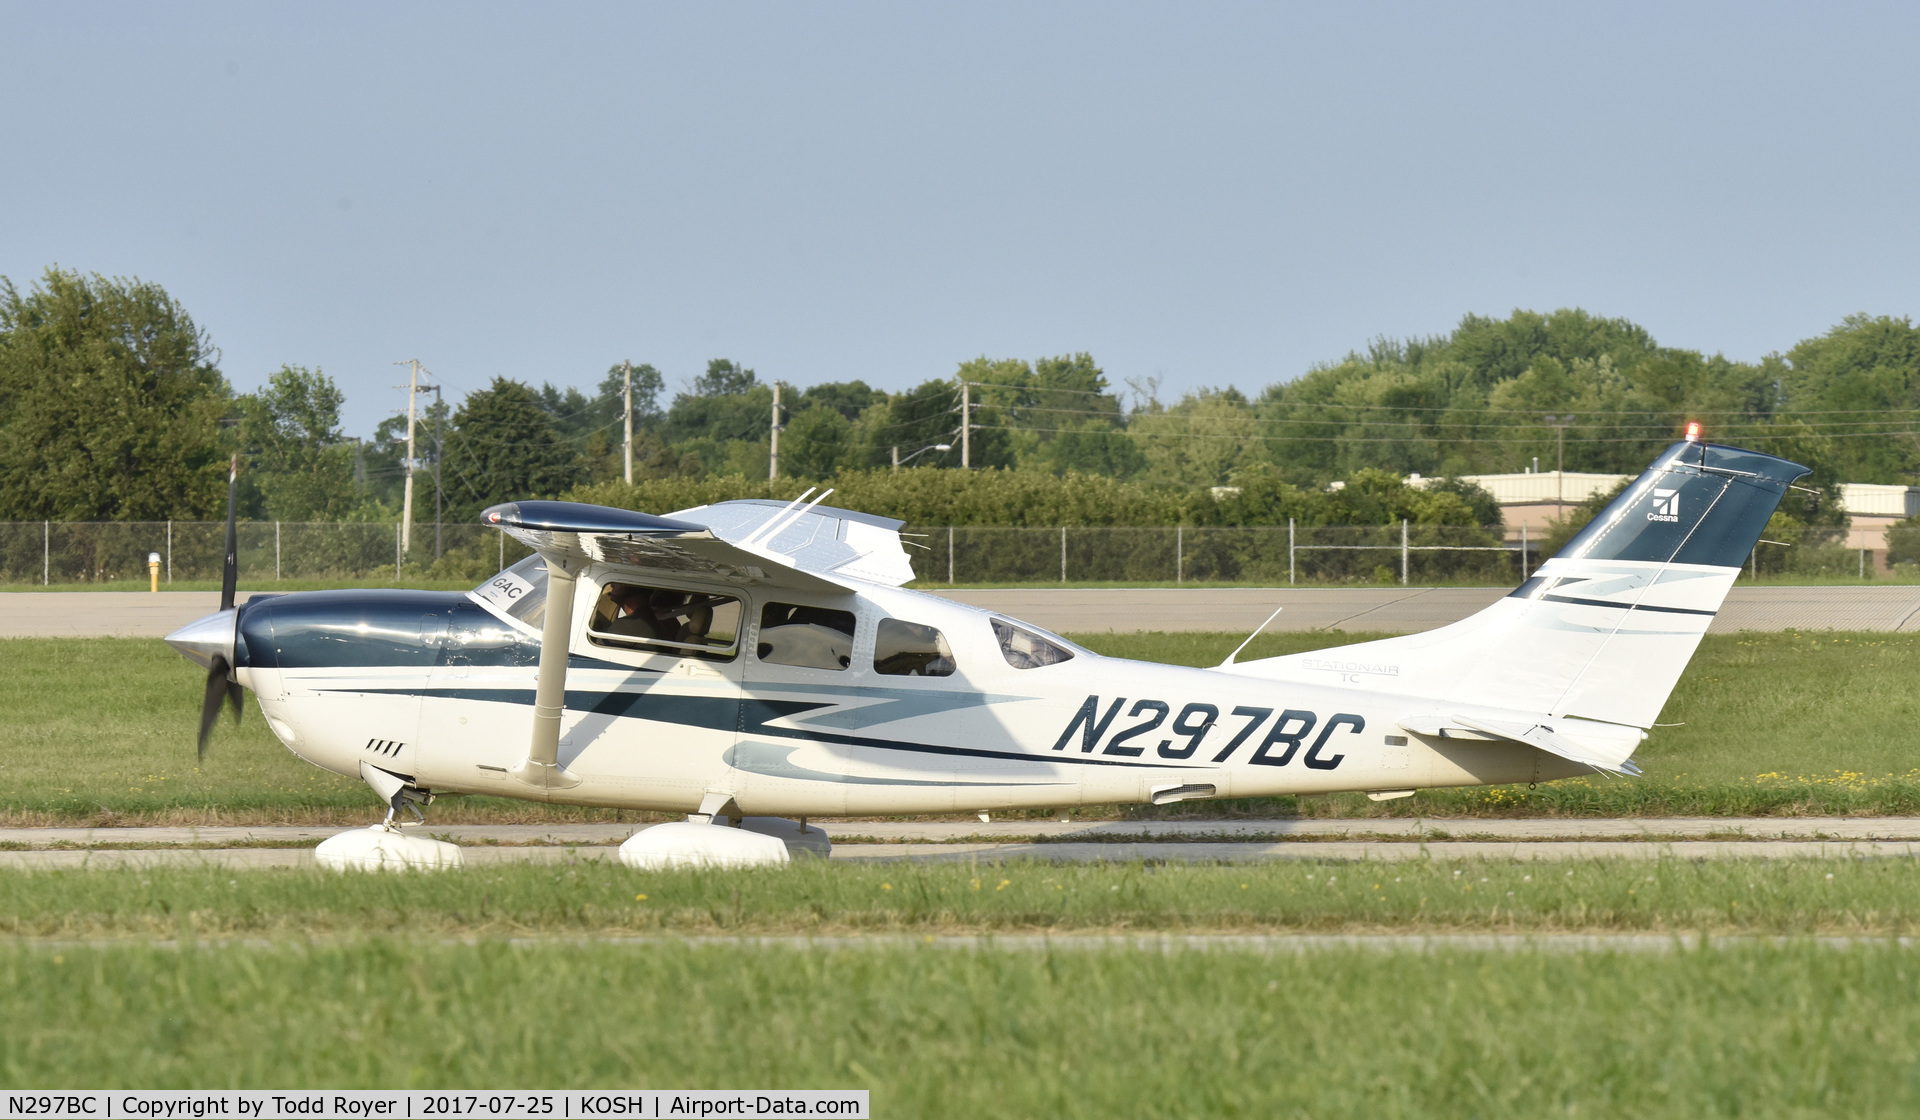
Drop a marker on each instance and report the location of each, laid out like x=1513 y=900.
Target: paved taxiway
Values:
x=1339 y=851
x=1066 y=842
x=1637 y=829
x=83 y=614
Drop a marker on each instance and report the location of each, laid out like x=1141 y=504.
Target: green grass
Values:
x=247 y=586
x=102 y=729
x=1796 y=723
x=1900 y=575
x=602 y=897
x=1756 y=1031
x=1801 y=722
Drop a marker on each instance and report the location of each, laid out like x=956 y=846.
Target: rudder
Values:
x=1604 y=629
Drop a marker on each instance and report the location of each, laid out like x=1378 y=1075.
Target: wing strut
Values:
x=542 y=767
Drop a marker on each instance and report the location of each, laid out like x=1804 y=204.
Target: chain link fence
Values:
x=1274 y=555
x=50 y=553
x=97 y=552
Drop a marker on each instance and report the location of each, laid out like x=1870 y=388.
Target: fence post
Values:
x=1403 y=552
x=1523 y=552
x=949 y=554
x=1179 y=553
x=1290 y=552
x=169 y=550
x=276 y=552
x=1063 y=554
x=46 y=553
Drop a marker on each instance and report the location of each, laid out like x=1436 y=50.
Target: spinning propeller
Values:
x=220 y=682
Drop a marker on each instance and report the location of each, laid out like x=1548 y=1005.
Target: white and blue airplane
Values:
x=751 y=665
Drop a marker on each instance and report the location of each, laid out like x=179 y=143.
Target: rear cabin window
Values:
x=1025 y=649
x=810 y=637
x=909 y=649
x=662 y=620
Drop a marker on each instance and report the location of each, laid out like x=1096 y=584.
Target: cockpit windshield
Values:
x=1027 y=648
x=520 y=592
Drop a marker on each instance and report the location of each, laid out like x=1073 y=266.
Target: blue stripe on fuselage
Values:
x=748 y=715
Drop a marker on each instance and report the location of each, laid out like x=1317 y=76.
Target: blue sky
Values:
x=1202 y=193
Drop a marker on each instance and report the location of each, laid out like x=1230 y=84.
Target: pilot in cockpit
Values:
x=671 y=616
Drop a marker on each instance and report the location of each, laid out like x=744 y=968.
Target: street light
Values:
x=897 y=460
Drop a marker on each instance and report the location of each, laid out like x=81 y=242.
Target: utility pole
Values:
x=966 y=425
x=1559 y=424
x=439 y=453
x=406 y=501
x=627 y=368
x=773 y=461
x=896 y=456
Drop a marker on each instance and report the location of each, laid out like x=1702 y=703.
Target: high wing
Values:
x=813 y=548
x=750 y=542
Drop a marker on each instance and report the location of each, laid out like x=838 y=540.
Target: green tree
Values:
x=110 y=404
x=725 y=404
x=1200 y=441
x=504 y=446
x=1863 y=375
x=816 y=443
x=299 y=467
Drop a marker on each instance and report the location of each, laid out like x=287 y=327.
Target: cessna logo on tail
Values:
x=1666 y=505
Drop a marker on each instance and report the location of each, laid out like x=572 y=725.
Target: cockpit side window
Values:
x=1025 y=649
x=910 y=649
x=662 y=620
x=519 y=591
x=810 y=637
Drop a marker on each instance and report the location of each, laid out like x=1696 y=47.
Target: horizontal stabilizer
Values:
x=1603 y=746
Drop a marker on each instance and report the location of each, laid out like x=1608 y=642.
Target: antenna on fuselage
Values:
x=1250 y=638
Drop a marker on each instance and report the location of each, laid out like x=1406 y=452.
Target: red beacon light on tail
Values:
x=1693 y=431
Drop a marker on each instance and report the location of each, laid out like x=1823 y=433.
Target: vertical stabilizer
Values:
x=1603 y=630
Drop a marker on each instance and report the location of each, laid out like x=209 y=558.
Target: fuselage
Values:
x=871 y=700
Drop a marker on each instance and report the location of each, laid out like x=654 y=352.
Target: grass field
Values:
x=1807 y=723
x=246 y=586
x=599 y=897
x=1786 y=1031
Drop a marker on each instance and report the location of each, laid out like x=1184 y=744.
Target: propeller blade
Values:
x=233 y=700
x=217 y=690
x=230 y=573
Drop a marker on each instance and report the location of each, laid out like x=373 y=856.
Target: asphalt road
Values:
x=84 y=614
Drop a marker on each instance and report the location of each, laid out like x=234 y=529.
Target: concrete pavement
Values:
x=865 y=833
x=1887 y=607
x=1388 y=841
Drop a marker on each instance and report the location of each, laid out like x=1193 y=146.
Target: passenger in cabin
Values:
x=667 y=607
x=668 y=616
x=633 y=615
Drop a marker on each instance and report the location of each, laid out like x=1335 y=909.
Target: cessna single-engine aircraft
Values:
x=747 y=662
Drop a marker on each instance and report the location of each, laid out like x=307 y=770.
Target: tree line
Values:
x=112 y=407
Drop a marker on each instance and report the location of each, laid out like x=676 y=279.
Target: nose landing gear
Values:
x=384 y=847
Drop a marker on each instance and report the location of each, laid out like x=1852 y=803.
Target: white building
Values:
x=1533 y=499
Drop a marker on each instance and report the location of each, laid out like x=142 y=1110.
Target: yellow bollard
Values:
x=153 y=570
